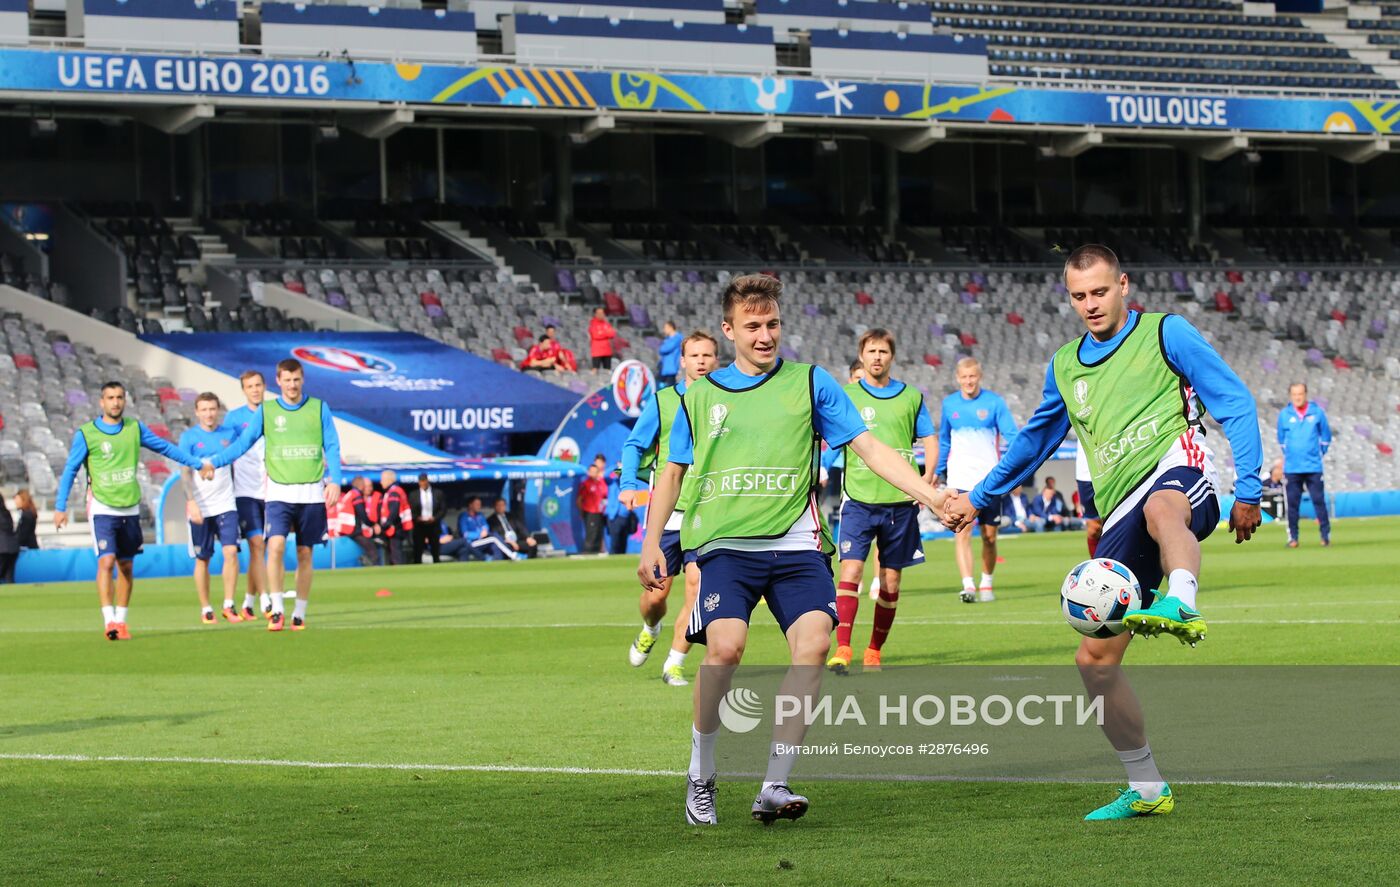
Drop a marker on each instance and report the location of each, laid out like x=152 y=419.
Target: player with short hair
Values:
x=213 y=516
x=874 y=510
x=1132 y=388
x=751 y=436
x=302 y=451
x=249 y=478
x=648 y=446
x=1093 y=524
x=109 y=448
x=973 y=430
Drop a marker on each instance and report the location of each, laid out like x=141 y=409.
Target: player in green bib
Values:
x=1132 y=388
x=302 y=457
x=748 y=437
x=109 y=448
x=646 y=448
x=874 y=510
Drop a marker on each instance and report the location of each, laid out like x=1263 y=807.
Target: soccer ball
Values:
x=1097 y=594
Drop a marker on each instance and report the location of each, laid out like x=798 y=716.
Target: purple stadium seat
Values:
x=1313 y=356
x=1370 y=345
x=1268 y=364
x=62 y=348
x=967 y=298
x=639 y=316
x=566 y=281
x=1304 y=278
x=1264 y=297
x=1179 y=281
x=811 y=310
x=979 y=278
x=1378 y=325
x=652 y=342
x=337 y=299
x=188 y=395
x=1356 y=477
x=935 y=329
x=549 y=320
x=578 y=386
x=76 y=396
x=433 y=310
x=669 y=288
x=692 y=277
x=1362 y=431
x=787 y=353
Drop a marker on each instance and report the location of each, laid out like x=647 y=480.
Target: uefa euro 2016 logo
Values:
x=632 y=381
x=342 y=360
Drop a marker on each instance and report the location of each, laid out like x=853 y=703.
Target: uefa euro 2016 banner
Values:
x=402 y=383
x=293 y=81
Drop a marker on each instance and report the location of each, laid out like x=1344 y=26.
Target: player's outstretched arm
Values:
x=664 y=495
x=77 y=454
x=892 y=467
x=931 y=457
x=243 y=443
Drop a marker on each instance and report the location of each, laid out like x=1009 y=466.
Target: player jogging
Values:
x=302 y=450
x=974 y=429
x=1132 y=388
x=211 y=510
x=873 y=509
x=751 y=434
x=649 y=445
x=248 y=478
x=109 y=448
x=1093 y=524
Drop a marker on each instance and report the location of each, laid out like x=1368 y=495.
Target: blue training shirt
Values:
x=1304 y=439
x=643 y=436
x=330 y=439
x=836 y=417
x=670 y=353
x=78 y=452
x=974 y=431
x=1221 y=391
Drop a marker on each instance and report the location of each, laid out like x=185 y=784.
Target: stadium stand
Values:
x=156 y=24
x=369 y=31
x=551 y=39
x=791 y=18
x=898 y=55
x=488 y=12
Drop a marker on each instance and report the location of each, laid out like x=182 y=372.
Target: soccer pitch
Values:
x=481 y=725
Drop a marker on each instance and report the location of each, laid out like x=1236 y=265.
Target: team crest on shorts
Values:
x=102 y=543
x=711 y=602
x=845 y=545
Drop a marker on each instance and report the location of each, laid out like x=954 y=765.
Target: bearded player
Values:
x=874 y=510
x=1132 y=388
x=648 y=446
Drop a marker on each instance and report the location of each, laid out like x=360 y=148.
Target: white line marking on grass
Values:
x=623 y=771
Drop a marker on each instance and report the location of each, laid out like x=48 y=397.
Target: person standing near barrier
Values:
x=1305 y=436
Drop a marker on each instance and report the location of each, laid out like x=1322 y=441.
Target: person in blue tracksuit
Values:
x=670 y=351
x=1304 y=435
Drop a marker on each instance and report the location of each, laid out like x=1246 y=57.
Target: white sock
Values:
x=702 y=753
x=299 y=611
x=653 y=630
x=875 y=585
x=1142 y=772
x=967 y=584
x=1182 y=586
x=228 y=603
x=264 y=600
x=779 y=765
x=249 y=601
x=208 y=610
x=277 y=603
x=986 y=581
x=109 y=614
x=120 y=613
x=675 y=657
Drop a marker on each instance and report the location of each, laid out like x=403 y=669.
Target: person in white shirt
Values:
x=249 y=477
x=211 y=510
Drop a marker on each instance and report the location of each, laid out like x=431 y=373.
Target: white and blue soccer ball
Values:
x=1097 y=594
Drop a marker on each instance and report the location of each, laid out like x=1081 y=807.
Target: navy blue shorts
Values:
x=1086 y=499
x=252 y=516
x=731 y=583
x=895 y=527
x=221 y=529
x=306 y=519
x=1127 y=540
x=675 y=558
x=120 y=536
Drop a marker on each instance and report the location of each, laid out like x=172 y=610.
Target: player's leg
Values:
x=1171 y=524
x=860 y=524
x=901 y=546
x=885 y=603
x=201 y=588
x=962 y=548
x=719 y=621
x=1093 y=531
x=653 y=603
x=126 y=584
x=800 y=598
x=1293 y=488
x=673 y=670
x=305 y=569
x=653 y=608
x=1318 y=494
x=874 y=561
x=251 y=524
x=105 y=565
x=985 y=594
x=276 y=570
x=230 y=576
x=1100 y=667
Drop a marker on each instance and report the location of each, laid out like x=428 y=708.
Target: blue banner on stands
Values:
x=44 y=70
x=159 y=562
x=407 y=384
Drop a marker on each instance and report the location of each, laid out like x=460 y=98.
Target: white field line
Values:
x=487 y=626
x=620 y=771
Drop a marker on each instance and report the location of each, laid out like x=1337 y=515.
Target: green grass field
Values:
x=453 y=709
